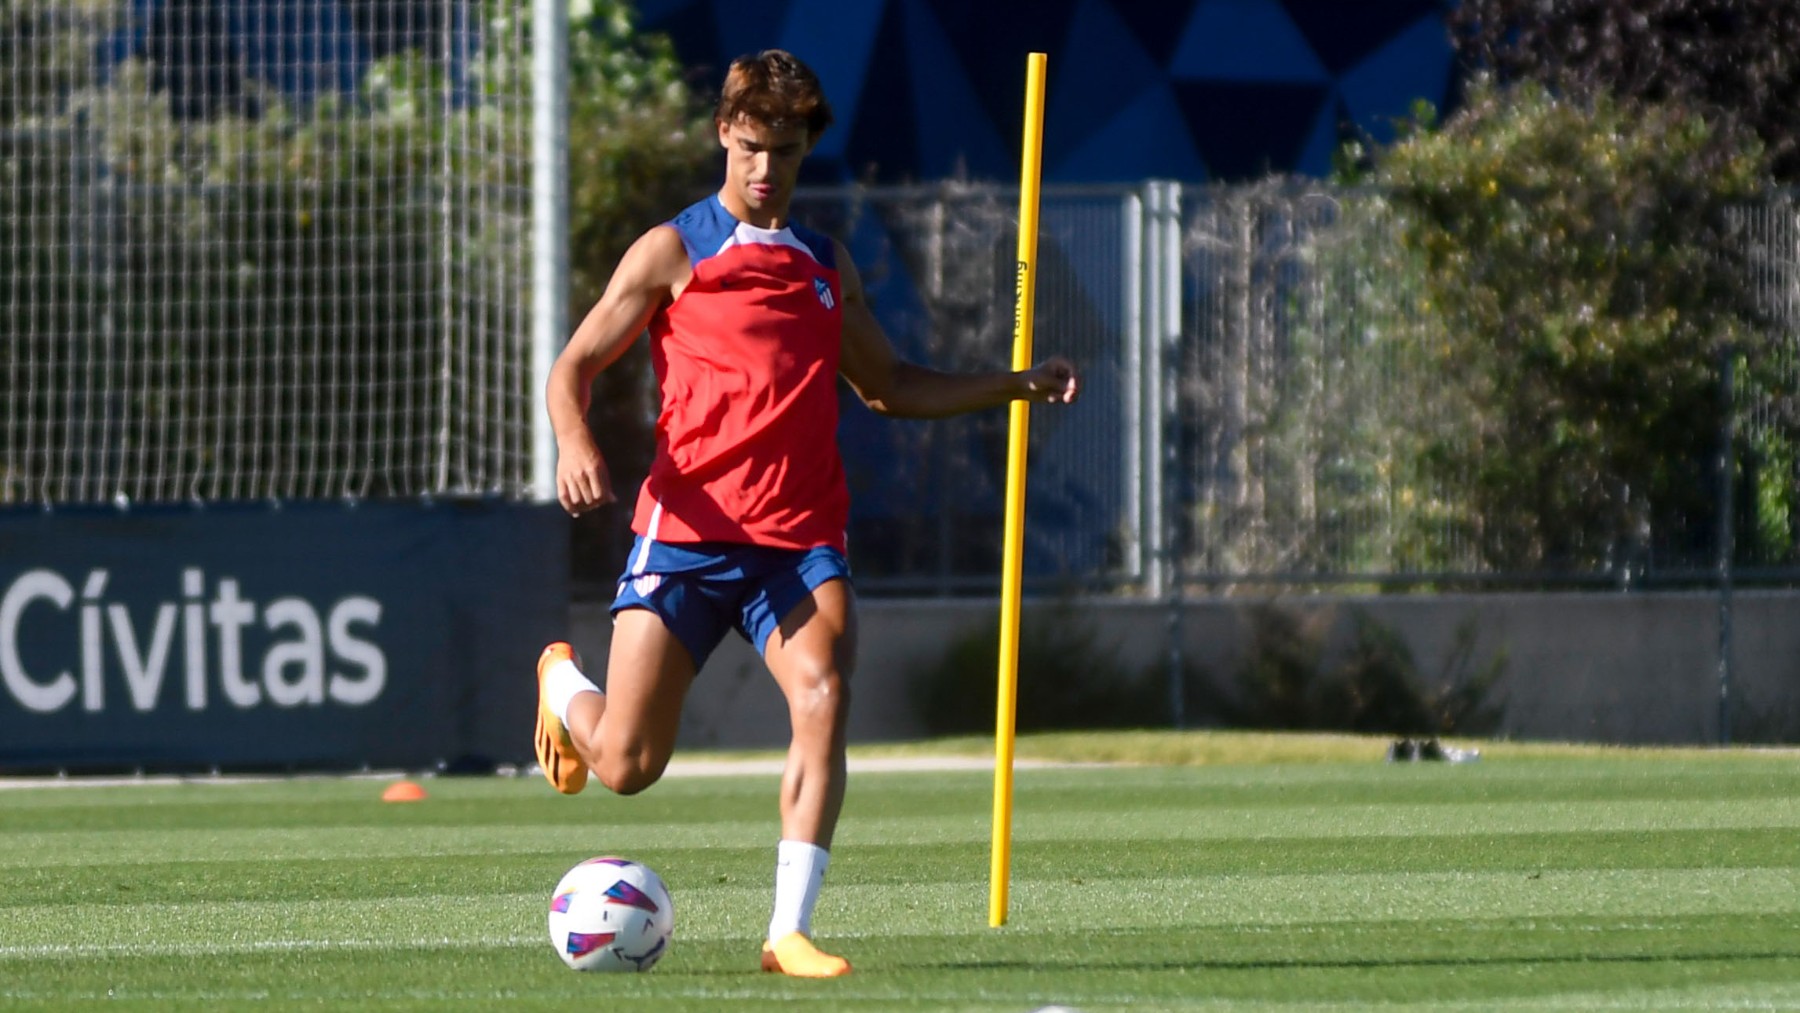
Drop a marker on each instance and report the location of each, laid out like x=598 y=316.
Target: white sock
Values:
x=799 y=872
x=561 y=684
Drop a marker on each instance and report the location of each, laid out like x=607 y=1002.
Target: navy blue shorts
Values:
x=703 y=589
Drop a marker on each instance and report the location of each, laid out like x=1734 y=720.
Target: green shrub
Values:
x=1069 y=678
x=1287 y=681
x=1583 y=274
x=195 y=242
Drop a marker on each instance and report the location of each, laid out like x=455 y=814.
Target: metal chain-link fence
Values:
x=260 y=251
x=1277 y=394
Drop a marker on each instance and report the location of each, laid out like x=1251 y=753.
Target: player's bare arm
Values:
x=890 y=385
x=652 y=272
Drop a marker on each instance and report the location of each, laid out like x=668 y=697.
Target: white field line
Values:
x=44 y=950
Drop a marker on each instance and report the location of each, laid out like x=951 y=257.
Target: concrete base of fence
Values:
x=1593 y=667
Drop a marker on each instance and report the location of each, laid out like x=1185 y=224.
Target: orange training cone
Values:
x=403 y=791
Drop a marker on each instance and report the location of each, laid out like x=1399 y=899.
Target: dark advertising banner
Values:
x=290 y=636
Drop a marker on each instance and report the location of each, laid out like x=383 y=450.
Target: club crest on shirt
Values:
x=823 y=287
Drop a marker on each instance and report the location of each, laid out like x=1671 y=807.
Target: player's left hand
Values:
x=1054 y=381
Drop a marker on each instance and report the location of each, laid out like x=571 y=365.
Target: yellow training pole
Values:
x=1020 y=428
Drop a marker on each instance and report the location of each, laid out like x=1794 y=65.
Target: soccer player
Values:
x=741 y=521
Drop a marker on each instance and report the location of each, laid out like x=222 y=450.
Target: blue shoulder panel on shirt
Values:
x=704 y=227
x=823 y=249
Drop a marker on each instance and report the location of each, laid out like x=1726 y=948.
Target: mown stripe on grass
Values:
x=350 y=804
x=1061 y=905
x=965 y=863
x=1165 y=821
x=845 y=996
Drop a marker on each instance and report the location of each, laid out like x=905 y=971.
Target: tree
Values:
x=1727 y=60
x=1585 y=275
x=269 y=297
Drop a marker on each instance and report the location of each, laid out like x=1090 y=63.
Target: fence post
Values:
x=1165 y=410
x=1150 y=402
x=1136 y=465
x=549 y=225
x=941 y=434
x=1727 y=535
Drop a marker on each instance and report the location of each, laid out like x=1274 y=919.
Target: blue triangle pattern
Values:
x=1315 y=158
x=954 y=137
x=1245 y=40
x=652 y=11
x=925 y=87
x=837 y=38
x=1343 y=32
x=1084 y=101
x=745 y=26
x=1146 y=136
x=1383 y=87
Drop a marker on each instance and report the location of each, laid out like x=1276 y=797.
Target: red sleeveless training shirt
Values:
x=747 y=360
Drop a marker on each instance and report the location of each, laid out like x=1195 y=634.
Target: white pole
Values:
x=1151 y=403
x=1169 y=351
x=549 y=224
x=1137 y=511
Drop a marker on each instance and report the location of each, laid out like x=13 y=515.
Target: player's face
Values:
x=761 y=165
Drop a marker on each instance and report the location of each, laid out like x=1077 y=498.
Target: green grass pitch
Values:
x=1527 y=881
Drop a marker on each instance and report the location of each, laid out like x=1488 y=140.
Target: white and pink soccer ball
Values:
x=611 y=914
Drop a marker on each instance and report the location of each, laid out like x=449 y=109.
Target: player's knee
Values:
x=820 y=695
x=628 y=779
x=627 y=772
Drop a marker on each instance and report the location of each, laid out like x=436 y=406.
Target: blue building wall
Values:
x=1184 y=89
x=924 y=89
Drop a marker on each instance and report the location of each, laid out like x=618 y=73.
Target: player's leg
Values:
x=627 y=734
x=811 y=653
x=665 y=623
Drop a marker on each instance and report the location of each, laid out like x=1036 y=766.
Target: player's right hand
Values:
x=582 y=481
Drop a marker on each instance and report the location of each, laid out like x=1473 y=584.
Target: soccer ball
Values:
x=611 y=914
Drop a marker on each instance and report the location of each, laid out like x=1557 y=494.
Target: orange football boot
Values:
x=796 y=956
x=556 y=754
